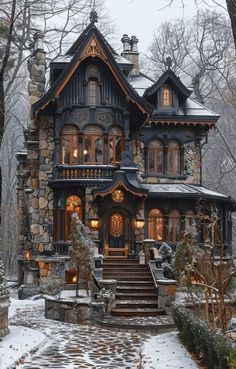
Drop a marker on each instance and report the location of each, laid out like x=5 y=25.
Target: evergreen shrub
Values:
x=196 y=334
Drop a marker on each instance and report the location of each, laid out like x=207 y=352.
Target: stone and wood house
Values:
x=122 y=151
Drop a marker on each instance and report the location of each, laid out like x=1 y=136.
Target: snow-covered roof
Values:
x=177 y=189
x=140 y=83
x=63 y=59
x=192 y=107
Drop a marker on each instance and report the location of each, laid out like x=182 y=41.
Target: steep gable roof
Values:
x=169 y=77
x=91 y=43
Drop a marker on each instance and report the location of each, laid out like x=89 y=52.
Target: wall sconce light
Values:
x=139 y=222
x=27 y=255
x=94 y=222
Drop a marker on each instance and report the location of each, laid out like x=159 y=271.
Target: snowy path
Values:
x=76 y=347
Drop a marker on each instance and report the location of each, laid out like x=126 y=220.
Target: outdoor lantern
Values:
x=139 y=222
x=27 y=254
x=94 y=222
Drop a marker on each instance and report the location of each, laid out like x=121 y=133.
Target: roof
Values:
x=186 y=190
x=140 y=82
x=78 y=48
x=171 y=77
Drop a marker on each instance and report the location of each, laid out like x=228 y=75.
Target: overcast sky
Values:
x=142 y=17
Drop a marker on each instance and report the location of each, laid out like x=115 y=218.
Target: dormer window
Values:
x=167 y=96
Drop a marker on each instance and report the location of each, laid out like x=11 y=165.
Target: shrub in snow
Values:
x=81 y=250
x=3 y=289
x=51 y=285
x=210 y=345
x=166 y=252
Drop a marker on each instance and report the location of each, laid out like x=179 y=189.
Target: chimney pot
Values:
x=134 y=44
x=126 y=42
x=38 y=41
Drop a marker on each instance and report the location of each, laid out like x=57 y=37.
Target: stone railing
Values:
x=84 y=172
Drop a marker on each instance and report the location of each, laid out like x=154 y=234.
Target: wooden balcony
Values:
x=84 y=172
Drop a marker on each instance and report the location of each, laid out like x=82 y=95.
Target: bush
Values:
x=197 y=336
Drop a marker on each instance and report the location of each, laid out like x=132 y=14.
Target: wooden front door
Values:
x=116 y=239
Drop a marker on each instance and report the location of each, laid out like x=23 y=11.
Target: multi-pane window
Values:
x=93 y=147
x=73 y=205
x=69 y=152
x=167 y=96
x=174 y=226
x=155 y=225
x=115 y=145
x=155 y=157
x=92 y=97
x=173 y=158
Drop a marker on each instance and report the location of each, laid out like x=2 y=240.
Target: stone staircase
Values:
x=135 y=292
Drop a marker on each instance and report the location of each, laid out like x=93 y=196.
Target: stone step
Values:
x=129 y=278
x=137 y=304
x=135 y=283
x=137 y=312
x=139 y=289
x=119 y=259
x=127 y=273
x=117 y=269
x=136 y=296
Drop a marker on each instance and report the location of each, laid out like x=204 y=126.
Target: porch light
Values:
x=139 y=222
x=94 y=222
x=27 y=254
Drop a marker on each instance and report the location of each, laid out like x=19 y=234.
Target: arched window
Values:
x=92 y=93
x=73 y=205
x=173 y=158
x=69 y=145
x=174 y=226
x=155 y=225
x=190 y=222
x=115 y=145
x=167 y=96
x=155 y=157
x=93 y=147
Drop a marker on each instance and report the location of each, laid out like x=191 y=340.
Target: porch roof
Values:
x=185 y=190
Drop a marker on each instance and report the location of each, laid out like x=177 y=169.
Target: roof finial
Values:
x=93 y=14
x=168 y=62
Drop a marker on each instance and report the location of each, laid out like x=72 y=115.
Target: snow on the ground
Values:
x=18 y=304
x=17 y=344
x=165 y=352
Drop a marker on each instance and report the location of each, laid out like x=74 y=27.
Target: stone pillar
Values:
x=148 y=244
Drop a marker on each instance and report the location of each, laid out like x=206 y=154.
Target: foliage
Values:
x=51 y=285
x=3 y=290
x=81 y=250
x=166 y=252
x=196 y=334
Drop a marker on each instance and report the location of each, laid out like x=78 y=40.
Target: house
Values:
x=122 y=151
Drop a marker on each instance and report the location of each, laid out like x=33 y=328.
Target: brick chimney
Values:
x=37 y=68
x=130 y=52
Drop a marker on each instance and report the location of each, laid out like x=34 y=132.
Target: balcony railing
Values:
x=85 y=172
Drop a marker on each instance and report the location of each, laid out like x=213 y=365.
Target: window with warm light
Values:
x=93 y=146
x=155 y=157
x=73 y=205
x=155 y=225
x=115 y=145
x=69 y=146
x=167 y=96
x=174 y=226
x=173 y=158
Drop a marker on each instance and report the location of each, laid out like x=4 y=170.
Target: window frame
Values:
x=167 y=97
x=173 y=158
x=153 y=221
x=92 y=137
x=69 y=134
x=156 y=150
x=174 y=220
x=112 y=137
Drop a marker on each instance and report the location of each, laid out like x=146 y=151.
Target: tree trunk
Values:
x=231 y=6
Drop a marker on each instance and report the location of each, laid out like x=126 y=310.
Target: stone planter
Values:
x=4 y=305
x=68 y=311
x=166 y=293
